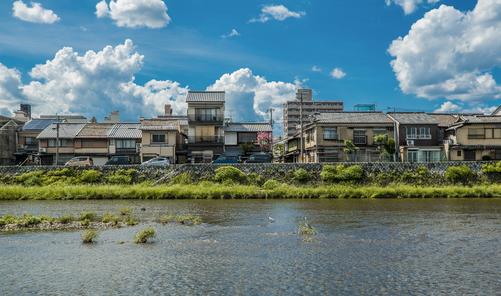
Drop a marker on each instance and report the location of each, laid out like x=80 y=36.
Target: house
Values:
x=205 y=125
x=8 y=127
x=419 y=136
x=124 y=139
x=159 y=137
x=327 y=137
x=243 y=138
x=474 y=137
x=65 y=149
x=92 y=140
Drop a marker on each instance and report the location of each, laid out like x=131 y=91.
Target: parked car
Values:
x=259 y=158
x=118 y=160
x=227 y=159
x=157 y=161
x=80 y=161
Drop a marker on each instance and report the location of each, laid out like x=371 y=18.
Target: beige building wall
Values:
x=167 y=149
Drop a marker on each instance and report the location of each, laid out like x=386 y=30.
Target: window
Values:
x=379 y=131
x=125 y=144
x=29 y=141
x=247 y=138
x=411 y=132
x=497 y=133
x=359 y=137
x=62 y=143
x=206 y=114
x=330 y=134
x=459 y=153
x=412 y=156
x=158 y=138
x=476 y=133
x=424 y=133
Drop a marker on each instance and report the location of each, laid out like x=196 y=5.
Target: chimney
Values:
x=167 y=110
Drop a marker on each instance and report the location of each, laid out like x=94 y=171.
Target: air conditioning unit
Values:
x=410 y=143
x=43 y=150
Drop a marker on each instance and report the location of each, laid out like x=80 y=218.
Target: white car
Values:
x=157 y=161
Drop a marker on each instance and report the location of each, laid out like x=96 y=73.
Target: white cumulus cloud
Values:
x=135 y=13
x=276 y=12
x=249 y=96
x=451 y=54
x=34 y=14
x=232 y=33
x=316 y=69
x=337 y=73
x=91 y=84
x=409 y=6
x=450 y=107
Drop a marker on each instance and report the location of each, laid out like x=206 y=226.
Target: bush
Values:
x=131 y=220
x=230 y=174
x=144 y=235
x=90 y=177
x=64 y=172
x=271 y=184
x=91 y=216
x=183 y=178
x=66 y=219
x=30 y=179
x=301 y=176
x=121 y=177
x=340 y=173
x=459 y=174
x=421 y=176
x=89 y=236
x=255 y=179
x=110 y=218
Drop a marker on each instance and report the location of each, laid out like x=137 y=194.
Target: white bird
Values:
x=271 y=219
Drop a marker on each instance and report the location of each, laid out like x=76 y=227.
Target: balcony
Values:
x=206 y=140
x=205 y=118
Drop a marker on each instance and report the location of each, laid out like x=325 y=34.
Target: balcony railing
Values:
x=360 y=140
x=205 y=118
x=206 y=140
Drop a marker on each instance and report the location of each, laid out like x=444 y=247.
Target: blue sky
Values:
x=353 y=36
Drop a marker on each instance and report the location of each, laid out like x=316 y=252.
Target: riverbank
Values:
x=208 y=190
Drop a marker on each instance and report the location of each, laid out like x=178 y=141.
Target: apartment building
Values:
x=473 y=138
x=326 y=136
x=241 y=138
x=419 y=136
x=205 y=125
x=291 y=110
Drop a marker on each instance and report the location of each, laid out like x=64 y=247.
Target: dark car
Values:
x=118 y=160
x=259 y=158
x=227 y=159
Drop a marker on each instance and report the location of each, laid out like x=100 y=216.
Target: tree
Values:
x=350 y=149
x=386 y=146
x=264 y=140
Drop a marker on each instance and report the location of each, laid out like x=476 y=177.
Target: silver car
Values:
x=157 y=161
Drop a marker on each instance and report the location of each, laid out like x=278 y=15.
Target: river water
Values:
x=363 y=247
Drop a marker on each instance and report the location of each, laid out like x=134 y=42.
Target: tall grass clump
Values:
x=144 y=235
x=181 y=219
x=305 y=229
x=183 y=179
x=229 y=174
x=459 y=174
x=91 y=216
x=271 y=184
x=110 y=218
x=121 y=177
x=89 y=236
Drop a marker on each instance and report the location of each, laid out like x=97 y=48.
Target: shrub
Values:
x=90 y=177
x=89 y=236
x=271 y=184
x=340 y=173
x=492 y=168
x=66 y=219
x=421 y=176
x=29 y=220
x=91 y=216
x=183 y=178
x=255 y=179
x=486 y=158
x=125 y=211
x=301 y=176
x=144 y=235
x=459 y=174
x=121 y=177
x=131 y=220
x=230 y=174
x=34 y=178
x=66 y=172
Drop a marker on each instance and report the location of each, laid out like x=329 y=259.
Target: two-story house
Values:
x=241 y=138
x=326 y=136
x=159 y=138
x=474 y=138
x=124 y=139
x=48 y=145
x=419 y=137
x=205 y=125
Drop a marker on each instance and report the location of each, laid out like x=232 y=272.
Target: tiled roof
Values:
x=37 y=124
x=66 y=131
x=413 y=118
x=445 y=120
x=158 y=125
x=205 y=96
x=95 y=130
x=125 y=131
x=248 y=127
x=483 y=119
x=352 y=117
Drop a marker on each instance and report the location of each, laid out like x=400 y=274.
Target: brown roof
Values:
x=95 y=130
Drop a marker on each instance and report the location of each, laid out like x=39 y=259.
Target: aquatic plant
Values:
x=144 y=235
x=110 y=218
x=89 y=236
x=91 y=216
x=131 y=220
x=182 y=219
x=66 y=219
x=125 y=211
x=305 y=228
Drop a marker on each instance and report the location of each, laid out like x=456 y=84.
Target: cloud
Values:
x=249 y=96
x=34 y=14
x=232 y=33
x=316 y=69
x=450 y=54
x=337 y=73
x=450 y=107
x=409 y=6
x=91 y=84
x=135 y=13
x=276 y=12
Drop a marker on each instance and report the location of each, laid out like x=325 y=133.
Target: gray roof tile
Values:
x=125 y=131
x=205 y=96
x=352 y=117
x=413 y=118
x=66 y=131
x=248 y=127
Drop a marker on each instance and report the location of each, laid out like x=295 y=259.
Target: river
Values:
x=363 y=247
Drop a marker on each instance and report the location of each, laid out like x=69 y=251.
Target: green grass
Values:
x=181 y=219
x=218 y=191
x=89 y=236
x=144 y=235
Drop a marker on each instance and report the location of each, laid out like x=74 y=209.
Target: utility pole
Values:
x=57 y=139
x=271 y=135
x=301 y=125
